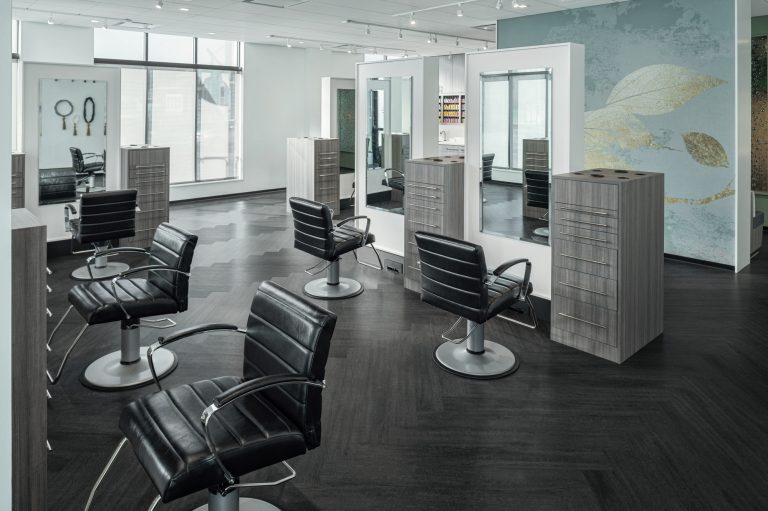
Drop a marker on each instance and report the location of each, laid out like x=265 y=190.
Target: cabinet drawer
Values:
x=423 y=221
x=419 y=192
x=150 y=219
x=152 y=201
x=586 y=236
x=566 y=217
x=587 y=194
x=425 y=174
x=586 y=288
x=583 y=258
x=584 y=319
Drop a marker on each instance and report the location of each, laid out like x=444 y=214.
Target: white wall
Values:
x=743 y=145
x=329 y=121
x=567 y=64
x=53 y=215
x=56 y=44
x=281 y=99
x=388 y=226
x=5 y=255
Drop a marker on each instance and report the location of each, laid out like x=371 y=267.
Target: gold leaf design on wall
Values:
x=728 y=191
x=610 y=128
x=659 y=89
x=705 y=149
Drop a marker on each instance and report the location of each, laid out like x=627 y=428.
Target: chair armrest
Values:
x=119 y=250
x=367 y=226
x=242 y=390
x=526 y=278
x=395 y=170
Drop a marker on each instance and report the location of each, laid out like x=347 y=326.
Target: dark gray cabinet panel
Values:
x=607 y=261
x=17 y=180
x=146 y=169
x=313 y=171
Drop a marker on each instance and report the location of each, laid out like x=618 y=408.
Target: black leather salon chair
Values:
x=537 y=195
x=86 y=171
x=315 y=234
x=394 y=179
x=128 y=300
x=207 y=434
x=103 y=217
x=488 y=166
x=454 y=278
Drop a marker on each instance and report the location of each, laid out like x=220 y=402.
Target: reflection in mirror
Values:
x=72 y=147
x=388 y=141
x=516 y=138
x=345 y=121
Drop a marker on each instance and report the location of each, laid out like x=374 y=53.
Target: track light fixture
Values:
x=429 y=39
x=50 y=20
x=499 y=4
x=412 y=20
x=367 y=30
x=288 y=44
x=485 y=46
x=518 y=5
x=459 y=11
x=457 y=41
x=159 y=4
x=400 y=35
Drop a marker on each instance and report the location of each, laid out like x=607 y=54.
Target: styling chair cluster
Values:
x=315 y=234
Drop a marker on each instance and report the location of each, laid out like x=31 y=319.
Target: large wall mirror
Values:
x=516 y=148
x=345 y=123
x=73 y=138
x=388 y=141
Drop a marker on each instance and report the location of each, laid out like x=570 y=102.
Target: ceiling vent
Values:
x=137 y=25
x=277 y=4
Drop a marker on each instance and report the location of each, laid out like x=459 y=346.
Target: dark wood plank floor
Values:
x=681 y=425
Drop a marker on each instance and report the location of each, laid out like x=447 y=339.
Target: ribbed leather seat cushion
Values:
x=96 y=303
x=348 y=237
x=505 y=291
x=168 y=437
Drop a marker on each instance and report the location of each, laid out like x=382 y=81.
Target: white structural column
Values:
x=743 y=143
x=5 y=255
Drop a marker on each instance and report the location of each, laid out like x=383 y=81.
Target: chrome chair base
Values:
x=495 y=361
x=109 y=373
x=542 y=231
x=320 y=288
x=233 y=502
x=106 y=272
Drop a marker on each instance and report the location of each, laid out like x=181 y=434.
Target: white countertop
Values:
x=451 y=141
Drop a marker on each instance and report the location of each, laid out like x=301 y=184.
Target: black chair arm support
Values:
x=245 y=389
x=367 y=226
x=395 y=170
x=526 y=277
x=118 y=250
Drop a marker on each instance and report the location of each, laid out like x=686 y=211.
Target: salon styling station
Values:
x=607 y=261
x=28 y=352
x=146 y=170
x=313 y=170
x=17 y=180
x=434 y=203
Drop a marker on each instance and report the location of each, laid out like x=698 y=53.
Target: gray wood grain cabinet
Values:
x=607 y=261
x=17 y=180
x=28 y=353
x=434 y=202
x=313 y=171
x=147 y=170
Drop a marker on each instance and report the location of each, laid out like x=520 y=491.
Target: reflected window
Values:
x=214 y=52
x=516 y=175
x=217 y=130
x=118 y=44
x=170 y=48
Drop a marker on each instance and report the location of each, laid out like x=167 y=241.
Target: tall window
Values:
x=183 y=93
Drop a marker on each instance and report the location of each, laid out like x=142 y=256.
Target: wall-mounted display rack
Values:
x=451 y=109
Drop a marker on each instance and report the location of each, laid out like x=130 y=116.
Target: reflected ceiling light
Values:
x=459 y=11
x=499 y=5
x=400 y=34
x=288 y=44
x=412 y=20
x=184 y=9
x=485 y=46
x=367 y=30
x=518 y=5
x=349 y=51
x=50 y=20
x=457 y=41
x=95 y=21
x=159 y=4
x=211 y=33
x=301 y=42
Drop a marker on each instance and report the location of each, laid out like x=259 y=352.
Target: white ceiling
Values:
x=308 y=23
x=759 y=8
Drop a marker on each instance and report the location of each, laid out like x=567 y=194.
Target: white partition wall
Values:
x=329 y=128
x=566 y=62
x=387 y=226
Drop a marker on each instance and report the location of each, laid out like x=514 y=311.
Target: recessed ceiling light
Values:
x=159 y=4
x=184 y=9
x=349 y=51
x=301 y=42
x=412 y=20
x=459 y=11
x=288 y=44
x=211 y=33
x=95 y=21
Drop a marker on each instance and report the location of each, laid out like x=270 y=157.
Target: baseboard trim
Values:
x=227 y=196
x=700 y=262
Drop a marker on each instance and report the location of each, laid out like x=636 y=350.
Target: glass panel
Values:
x=218 y=100
x=515 y=177
x=213 y=52
x=170 y=48
x=14 y=36
x=172 y=119
x=72 y=145
x=133 y=106
x=388 y=141
x=118 y=44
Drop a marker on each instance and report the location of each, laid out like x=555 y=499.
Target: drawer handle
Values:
x=416 y=269
x=582 y=320
x=327 y=188
x=155 y=166
x=327 y=153
x=422 y=195
x=426 y=225
x=412 y=243
x=583 y=237
x=422 y=186
x=574 y=286
x=422 y=207
x=583 y=211
x=326 y=175
x=583 y=222
x=603 y=263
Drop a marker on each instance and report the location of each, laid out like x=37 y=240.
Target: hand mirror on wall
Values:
x=64 y=109
x=89 y=112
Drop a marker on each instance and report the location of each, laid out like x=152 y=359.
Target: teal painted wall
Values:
x=659 y=97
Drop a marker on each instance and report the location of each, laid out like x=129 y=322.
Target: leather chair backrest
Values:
x=313 y=227
x=537 y=188
x=488 y=166
x=453 y=275
x=287 y=334
x=107 y=216
x=172 y=246
x=78 y=164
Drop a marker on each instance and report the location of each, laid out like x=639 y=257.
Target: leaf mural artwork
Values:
x=660 y=89
x=726 y=192
x=613 y=128
x=705 y=149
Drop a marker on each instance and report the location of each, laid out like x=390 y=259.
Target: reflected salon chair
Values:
x=86 y=171
x=103 y=217
x=488 y=166
x=208 y=434
x=394 y=179
x=315 y=234
x=537 y=195
x=454 y=278
x=127 y=299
